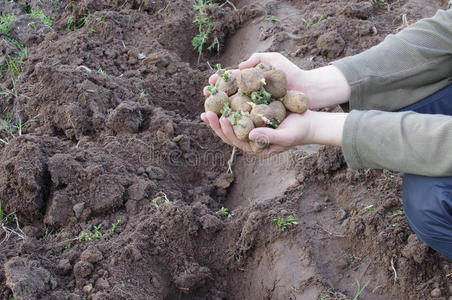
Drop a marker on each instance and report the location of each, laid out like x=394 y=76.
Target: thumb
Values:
x=271 y=136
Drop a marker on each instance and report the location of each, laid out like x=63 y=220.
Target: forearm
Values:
x=326 y=128
x=325 y=86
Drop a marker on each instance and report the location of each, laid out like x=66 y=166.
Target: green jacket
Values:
x=403 y=69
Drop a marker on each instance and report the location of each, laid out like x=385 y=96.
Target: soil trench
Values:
x=112 y=187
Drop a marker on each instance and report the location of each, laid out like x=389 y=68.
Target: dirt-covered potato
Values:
x=242 y=125
x=239 y=102
x=228 y=85
x=260 y=113
x=296 y=102
x=250 y=80
x=276 y=83
x=279 y=111
x=264 y=67
x=257 y=146
x=215 y=102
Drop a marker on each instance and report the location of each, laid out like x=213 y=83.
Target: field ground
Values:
x=117 y=190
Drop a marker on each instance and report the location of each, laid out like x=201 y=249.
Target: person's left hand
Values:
x=294 y=130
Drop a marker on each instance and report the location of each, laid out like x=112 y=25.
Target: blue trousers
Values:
x=427 y=201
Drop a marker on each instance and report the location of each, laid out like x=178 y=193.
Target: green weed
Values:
x=113 y=226
x=360 y=289
x=270 y=18
x=97 y=234
x=69 y=22
x=283 y=223
x=225 y=212
x=39 y=14
x=311 y=21
x=5 y=22
x=205 y=26
x=143 y=95
x=102 y=72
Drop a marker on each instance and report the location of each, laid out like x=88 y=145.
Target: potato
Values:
x=242 y=125
x=229 y=85
x=276 y=83
x=279 y=111
x=296 y=102
x=264 y=67
x=259 y=113
x=257 y=146
x=240 y=103
x=250 y=80
x=215 y=102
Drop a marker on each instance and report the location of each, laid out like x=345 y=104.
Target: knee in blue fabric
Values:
x=427 y=202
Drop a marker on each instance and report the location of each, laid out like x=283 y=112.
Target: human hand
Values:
x=323 y=86
x=308 y=128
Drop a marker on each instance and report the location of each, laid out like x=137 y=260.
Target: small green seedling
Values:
x=68 y=246
x=283 y=223
x=5 y=22
x=397 y=213
x=360 y=289
x=395 y=225
x=370 y=207
x=102 y=72
x=225 y=212
x=113 y=226
x=97 y=234
x=270 y=18
x=349 y=256
x=39 y=14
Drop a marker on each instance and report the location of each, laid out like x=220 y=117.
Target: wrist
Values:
x=326 y=128
x=325 y=86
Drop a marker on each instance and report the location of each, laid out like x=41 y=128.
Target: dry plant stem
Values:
x=231 y=160
x=393 y=269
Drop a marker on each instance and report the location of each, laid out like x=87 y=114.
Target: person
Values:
x=400 y=96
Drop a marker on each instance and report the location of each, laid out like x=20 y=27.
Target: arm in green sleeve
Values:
x=404 y=68
x=401 y=141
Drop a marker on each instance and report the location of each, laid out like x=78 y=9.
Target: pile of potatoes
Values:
x=257 y=97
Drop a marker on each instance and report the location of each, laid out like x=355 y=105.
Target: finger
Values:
x=251 y=62
x=213 y=121
x=203 y=117
x=213 y=79
x=273 y=136
x=230 y=135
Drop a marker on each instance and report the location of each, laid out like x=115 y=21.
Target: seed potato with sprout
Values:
x=250 y=80
x=279 y=111
x=260 y=114
x=226 y=81
x=296 y=102
x=216 y=100
x=242 y=125
x=276 y=83
x=240 y=102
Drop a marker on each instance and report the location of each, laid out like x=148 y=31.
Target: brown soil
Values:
x=112 y=136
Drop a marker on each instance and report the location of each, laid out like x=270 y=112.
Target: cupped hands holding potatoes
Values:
x=264 y=105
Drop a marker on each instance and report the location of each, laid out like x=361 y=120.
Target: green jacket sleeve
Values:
x=400 y=71
x=401 y=141
x=404 y=68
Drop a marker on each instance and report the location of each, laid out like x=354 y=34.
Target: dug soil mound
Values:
x=112 y=188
